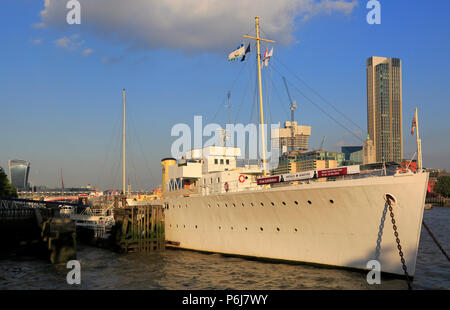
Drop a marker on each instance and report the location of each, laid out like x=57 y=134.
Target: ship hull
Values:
x=342 y=223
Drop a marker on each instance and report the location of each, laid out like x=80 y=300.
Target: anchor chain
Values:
x=399 y=247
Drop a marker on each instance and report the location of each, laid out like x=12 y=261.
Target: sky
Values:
x=61 y=85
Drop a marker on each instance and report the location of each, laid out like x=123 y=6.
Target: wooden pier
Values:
x=139 y=228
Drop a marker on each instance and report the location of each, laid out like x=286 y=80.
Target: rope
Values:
x=322 y=110
x=317 y=93
x=435 y=240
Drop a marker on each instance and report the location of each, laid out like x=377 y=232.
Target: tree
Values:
x=442 y=185
x=6 y=188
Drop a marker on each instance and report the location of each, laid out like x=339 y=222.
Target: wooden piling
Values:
x=139 y=228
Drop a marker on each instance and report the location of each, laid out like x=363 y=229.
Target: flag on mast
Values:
x=413 y=125
x=239 y=52
x=247 y=50
x=267 y=57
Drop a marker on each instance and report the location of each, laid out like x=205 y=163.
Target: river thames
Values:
x=179 y=269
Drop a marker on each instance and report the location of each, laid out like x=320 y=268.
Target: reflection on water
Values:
x=178 y=269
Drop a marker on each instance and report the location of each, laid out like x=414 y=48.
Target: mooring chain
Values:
x=399 y=247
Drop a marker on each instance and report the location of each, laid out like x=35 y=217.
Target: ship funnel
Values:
x=166 y=163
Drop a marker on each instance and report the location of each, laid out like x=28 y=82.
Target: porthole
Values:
x=195 y=226
x=252 y=204
x=245 y=228
x=284 y=203
x=186 y=206
x=296 y=202
x=220 y=227
x=243 y=204
x=262 y=229
x=184 y=226
x=217 y=205
x=234 y=205
x=295 y=229
x=177 y=225
x=231 y=227
x=179 y=206
x=309 y=201
x=209 y=206
x=262 y=204
x=331 y=201
x=278 y=228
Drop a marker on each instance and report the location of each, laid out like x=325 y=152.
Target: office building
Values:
x=283 y=137
x=19 y=171
x=384 y=107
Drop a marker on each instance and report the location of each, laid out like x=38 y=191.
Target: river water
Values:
x=179 y=269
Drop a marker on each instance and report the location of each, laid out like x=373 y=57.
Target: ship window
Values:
x=217 y=205
x=245 y=228
x=284 y=203
x=195 y=226
x=262 y=204
x=228 y=161
x=262 y=229
x=331 y=200
x=221 y=161
x=252 y=204
x=272 y=203
x=218 y=180
x=184 y=226
x=309 y=201
x=278 y=228
x=226 y=206
x=234 y=205
x=216 y=161
x=295 y=229
x=209 y=206
x=220 y=227
x=231 y=227
x=243 y=205
x=296 y=202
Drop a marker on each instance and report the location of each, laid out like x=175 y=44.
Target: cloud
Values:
x=190 y=25
x=87 y=51
x=36 y=41
x=69 y=43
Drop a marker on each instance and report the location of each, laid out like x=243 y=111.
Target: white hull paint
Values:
x=343 y=225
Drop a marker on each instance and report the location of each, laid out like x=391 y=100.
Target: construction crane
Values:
x=321 y=144
x=293 y=108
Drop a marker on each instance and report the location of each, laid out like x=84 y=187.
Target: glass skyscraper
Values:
x=384 y=107
x=19 y=170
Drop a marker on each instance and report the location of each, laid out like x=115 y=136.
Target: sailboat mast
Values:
x=123 y=146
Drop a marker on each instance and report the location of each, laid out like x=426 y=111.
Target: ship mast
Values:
x=123 y=147
x=258 y=51
x=419 y=143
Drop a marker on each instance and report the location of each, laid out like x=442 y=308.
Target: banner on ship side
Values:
x=338 y=171
x=268 y=180
x=297 y=176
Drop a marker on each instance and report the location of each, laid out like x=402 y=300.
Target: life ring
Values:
x=226 y=186
x=242 y=178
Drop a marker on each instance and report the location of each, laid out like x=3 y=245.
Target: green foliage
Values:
x=442 y=185
x=6 y=188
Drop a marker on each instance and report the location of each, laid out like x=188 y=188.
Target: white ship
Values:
x=213 y=205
